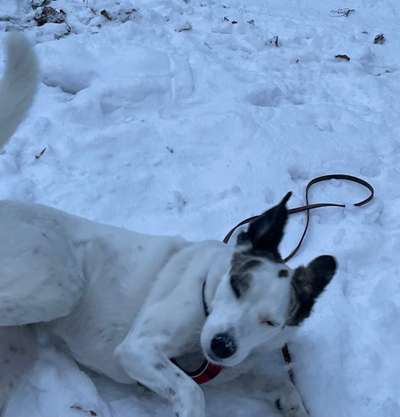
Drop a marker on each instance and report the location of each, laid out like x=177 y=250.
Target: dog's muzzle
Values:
x=223 y=345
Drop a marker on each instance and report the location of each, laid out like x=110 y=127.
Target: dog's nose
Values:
x=223 y=345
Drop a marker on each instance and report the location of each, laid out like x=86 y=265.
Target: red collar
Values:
x=205 y=373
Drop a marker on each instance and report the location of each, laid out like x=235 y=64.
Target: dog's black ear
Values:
x=307 y=284
x=266 y=231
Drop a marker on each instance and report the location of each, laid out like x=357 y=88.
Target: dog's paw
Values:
x=290 y=404
x=289 y=409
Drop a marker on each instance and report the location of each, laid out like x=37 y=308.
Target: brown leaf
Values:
x=41 y=153
x=106 y=14
x=342 y=57
x=379 y=39
x=91 y=413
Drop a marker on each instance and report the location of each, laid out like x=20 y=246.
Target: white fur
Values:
x=124 y=303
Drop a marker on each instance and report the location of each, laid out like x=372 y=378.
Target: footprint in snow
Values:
x=267 y=97
x=274 y=97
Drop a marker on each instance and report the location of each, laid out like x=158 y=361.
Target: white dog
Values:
x=125 y=303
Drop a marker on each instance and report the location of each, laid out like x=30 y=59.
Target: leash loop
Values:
x=307 y=207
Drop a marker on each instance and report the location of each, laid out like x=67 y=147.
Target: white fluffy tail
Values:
x=18 y=86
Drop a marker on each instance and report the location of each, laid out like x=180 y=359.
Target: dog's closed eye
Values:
x=268 y=322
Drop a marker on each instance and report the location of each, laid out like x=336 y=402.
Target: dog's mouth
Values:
x=226 y=363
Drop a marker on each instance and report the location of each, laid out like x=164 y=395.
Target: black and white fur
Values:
x=124 y=303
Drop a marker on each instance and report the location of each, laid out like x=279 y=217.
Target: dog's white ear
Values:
x=307 y=284
x=266 y=231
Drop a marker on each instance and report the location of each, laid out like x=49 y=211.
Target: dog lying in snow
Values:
x=124 y=303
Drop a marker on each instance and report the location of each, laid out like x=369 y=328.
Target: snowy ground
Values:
x=164 y=130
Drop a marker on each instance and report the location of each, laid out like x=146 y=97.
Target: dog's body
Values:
x=124 y=303
x=91 y=281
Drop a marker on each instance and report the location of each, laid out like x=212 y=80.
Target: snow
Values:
x=51 y=375
x=171 y=131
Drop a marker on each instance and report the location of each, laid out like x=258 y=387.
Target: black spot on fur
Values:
x=240 y=276
x=12 y=348
x=307 y=284
x=247 y=264
x=278 y=404
x=283 y=273
x=240 y=284
x=159 y=366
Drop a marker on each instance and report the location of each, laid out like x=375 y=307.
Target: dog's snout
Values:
x=223 y=345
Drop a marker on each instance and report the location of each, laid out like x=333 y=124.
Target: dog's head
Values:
x=259 y=295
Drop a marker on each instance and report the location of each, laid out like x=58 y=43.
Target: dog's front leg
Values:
x=146 y=363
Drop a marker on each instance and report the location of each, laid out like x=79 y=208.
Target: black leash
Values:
x=306 y=208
